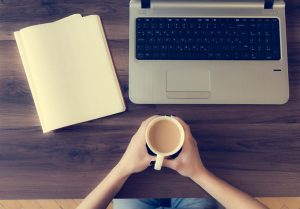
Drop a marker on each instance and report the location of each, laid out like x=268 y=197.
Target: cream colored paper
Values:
x=70 y=71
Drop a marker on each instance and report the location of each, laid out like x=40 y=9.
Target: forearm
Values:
x=229 y=196
x=101 y=196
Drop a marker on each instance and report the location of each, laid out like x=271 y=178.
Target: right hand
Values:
x=188 y=163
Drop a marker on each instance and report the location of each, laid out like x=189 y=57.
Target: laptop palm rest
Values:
x=188 y=84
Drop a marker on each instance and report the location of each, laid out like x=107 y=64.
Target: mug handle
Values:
x=158 y=162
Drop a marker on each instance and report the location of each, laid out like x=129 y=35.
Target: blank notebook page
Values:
x=71 y=71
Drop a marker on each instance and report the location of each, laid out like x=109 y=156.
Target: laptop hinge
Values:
x=269 y=4
x=145 y=4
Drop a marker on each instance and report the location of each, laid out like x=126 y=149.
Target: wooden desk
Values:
x=254 y=147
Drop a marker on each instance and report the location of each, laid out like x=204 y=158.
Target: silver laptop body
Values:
x=208 y=81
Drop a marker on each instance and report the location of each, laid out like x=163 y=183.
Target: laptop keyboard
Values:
x=207 y=39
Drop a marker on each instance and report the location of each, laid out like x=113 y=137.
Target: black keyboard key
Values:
x=156 y=56
x=146 y=25
x=211 y=56
x=141 y=40
x=260 y=48
x=141 y=34
x=269 y=56
x=148 y=55
x=153 y=25
x=167 y=40
x=151 y=41
x=148 y=48
x=150 y=33
x=268 y=34
x=156 y=48
x=245 y=56
x=245 y=48
x=228 y=55
x=253 y=48
x=260 y=26
x=268 y=26
x=161 y=25
x=219 y=55
x=163 y=48
x=179 y=48
x=256 y=56
x=163 y=55
x=157 y=33
x=159 y=40
x=171 y=48
x=140 y=47
x=194 y=48
x=140 y=55
x=268 y=40
x=268 y=48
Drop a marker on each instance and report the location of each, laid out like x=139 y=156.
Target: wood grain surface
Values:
x=254 y=147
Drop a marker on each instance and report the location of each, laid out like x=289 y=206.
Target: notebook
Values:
x=70 y=71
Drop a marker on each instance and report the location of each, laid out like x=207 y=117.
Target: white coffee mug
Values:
x=161 y=155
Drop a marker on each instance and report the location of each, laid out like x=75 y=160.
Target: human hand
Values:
x=136 y=157
x=188 y=163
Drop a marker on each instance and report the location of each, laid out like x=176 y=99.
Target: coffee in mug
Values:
x=164 y=137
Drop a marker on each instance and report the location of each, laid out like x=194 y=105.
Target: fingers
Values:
x=144 y=124
x=147 y=121
x=151 y=158
x=170 y=164
x=187 y=131
x=184 y=125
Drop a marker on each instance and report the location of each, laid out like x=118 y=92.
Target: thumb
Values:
x=152 y=158
x=170 y=164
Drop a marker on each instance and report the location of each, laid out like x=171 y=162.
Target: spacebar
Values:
x=187 y=56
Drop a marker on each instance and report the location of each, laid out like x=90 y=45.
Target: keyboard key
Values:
x=253 y=48
x=245 y=56
x=140 y=40
x=148 y=55
x=163 y=55
x=140 y=55
x=156 y=56
x=163 y=48
x=141 y=34
x=268 y=56
x=155 y=48
x=140 y=47
x=268 y=48
x=148 y=48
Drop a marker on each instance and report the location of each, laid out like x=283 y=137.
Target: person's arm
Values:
x=189 y=164
x=134 y=160
x=101 y=196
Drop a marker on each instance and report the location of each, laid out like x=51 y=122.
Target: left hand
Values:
x=136 y=157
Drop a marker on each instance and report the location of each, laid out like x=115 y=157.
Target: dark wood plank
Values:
x=254 y=147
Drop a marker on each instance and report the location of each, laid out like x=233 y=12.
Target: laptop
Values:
x=208 y=52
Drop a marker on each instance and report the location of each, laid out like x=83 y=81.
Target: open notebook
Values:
x=70 y=71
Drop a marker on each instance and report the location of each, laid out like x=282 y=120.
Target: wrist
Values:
x=122 y=170
x=200 y=173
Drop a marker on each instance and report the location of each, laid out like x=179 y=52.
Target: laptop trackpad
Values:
x=188 y=84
